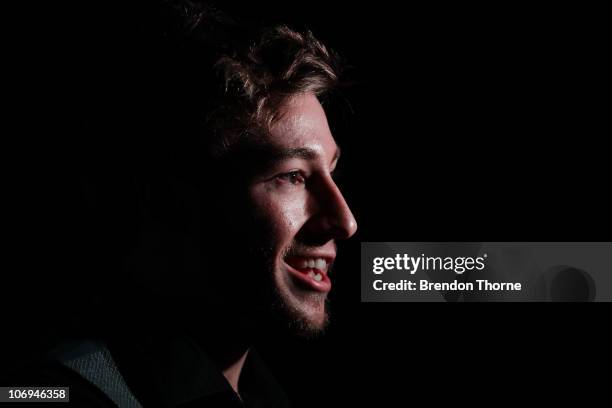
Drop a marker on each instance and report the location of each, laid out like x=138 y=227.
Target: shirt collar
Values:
x=180 y=372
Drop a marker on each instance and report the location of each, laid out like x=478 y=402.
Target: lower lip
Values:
x=302 y=278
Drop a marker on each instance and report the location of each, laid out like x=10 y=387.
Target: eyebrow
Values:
x=258 y=157
x=279 y=154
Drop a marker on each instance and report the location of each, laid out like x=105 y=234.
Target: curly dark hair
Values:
x=253 y=70
x=281 y=63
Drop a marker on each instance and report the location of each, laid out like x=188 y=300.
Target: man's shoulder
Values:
x=51 y=373
x=85 y=367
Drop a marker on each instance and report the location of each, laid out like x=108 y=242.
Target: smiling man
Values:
x=273 y=155
x=238 y=222
x=270 y=210
x=278 y=202
x=305 y=212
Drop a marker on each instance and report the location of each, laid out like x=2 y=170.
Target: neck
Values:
x=227 y=344
x=233 y=369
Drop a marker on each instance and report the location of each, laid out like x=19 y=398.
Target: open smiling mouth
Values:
x=310 y=272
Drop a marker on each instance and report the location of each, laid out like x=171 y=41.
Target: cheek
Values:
x=284 y=213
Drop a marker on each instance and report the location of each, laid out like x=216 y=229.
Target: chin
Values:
x=305 y=313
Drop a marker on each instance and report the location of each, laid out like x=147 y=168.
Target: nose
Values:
x=332 y=215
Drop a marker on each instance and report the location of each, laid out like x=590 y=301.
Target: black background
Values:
x=470 y=123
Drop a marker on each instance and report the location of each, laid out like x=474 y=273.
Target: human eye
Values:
x=295 y=177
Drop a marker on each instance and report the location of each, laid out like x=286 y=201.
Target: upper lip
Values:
x=329 y=257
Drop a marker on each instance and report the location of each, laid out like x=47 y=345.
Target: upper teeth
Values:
x=316 y=263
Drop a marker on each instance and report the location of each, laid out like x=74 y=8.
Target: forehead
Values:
x=302 y=123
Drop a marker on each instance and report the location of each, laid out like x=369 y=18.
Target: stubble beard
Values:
x=284 y=307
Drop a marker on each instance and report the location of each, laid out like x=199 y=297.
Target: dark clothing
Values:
x=152 y=372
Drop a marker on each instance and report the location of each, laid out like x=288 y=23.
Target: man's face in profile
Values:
x=298 y=213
